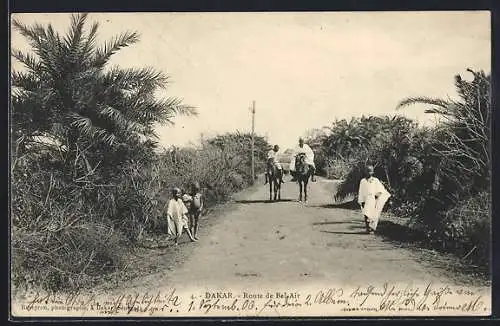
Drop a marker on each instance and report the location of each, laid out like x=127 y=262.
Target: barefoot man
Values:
x=372 y=197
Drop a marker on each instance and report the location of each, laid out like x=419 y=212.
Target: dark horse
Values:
x=302 y=172
x=275 y=176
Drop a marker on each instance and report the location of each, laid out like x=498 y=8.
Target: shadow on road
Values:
x=399 y=232
x=342 y=232
x=336 y=222
x=352 y=205
x=261 y=201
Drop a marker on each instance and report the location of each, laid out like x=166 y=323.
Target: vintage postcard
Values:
x=275 y=164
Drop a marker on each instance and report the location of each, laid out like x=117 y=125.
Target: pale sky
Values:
x=304 y=70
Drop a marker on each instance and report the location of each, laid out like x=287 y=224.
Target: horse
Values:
x=274 y=178
x=302 y=172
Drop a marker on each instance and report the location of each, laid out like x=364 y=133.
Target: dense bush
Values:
x=62 y=232
x=69 y=233
x=467 y=227
x=338 y=169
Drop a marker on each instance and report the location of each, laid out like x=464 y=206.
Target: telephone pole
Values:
x=253 y=141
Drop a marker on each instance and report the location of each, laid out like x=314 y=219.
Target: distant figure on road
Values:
x=272 y=158
x=305 y=149
x=372 y=197
x=177 y=216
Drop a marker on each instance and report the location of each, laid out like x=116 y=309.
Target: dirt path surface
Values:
x=287 y=242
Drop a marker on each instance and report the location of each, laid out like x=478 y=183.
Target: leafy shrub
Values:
x=338 y=169
x=467 y=227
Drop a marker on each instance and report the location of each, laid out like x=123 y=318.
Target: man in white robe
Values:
x=372 y=197
x=305 y=149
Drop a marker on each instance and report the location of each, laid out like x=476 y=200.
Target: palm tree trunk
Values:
x=72 y=153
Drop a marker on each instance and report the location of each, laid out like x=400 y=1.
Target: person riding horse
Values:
x=272 y=159
x=309 y=159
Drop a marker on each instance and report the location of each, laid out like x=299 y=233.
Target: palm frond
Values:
x=75 y=33
x=27 y=60
x=153 y=134
x=45 y=44
x=439 y=111
x=53 y=36
x=89 y=46
x=169 y=108
x=423 y=100
x=175 y=104
x=133 y=127
x=110 y=47
x=27 y=81
x=86 y=128
x=19 y=96
x=113 y=115
x=35 y=34
x=144 y=79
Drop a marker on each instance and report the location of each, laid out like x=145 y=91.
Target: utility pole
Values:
x=253 y=141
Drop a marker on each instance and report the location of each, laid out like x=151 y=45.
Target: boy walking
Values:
x=195 y=208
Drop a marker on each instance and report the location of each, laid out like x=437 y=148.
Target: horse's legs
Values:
x=270 y=188
x=305 y=190
x=300 y=190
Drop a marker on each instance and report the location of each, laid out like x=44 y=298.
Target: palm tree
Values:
x=464 y=141
x=69 y=95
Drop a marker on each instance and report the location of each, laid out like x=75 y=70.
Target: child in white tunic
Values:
x=177 y=217
x=372 y=197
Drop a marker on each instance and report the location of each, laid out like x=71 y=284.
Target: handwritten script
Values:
x=382 y=300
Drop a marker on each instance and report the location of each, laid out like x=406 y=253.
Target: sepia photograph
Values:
x=250 y=164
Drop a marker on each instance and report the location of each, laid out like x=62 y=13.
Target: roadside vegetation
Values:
x=439 y=177
x=89 y=180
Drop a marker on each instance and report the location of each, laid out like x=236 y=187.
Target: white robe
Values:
x=176 y=217
x=306 y=150
x=374 y=196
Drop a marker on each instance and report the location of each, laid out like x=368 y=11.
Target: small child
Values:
x=177 y=217
x=196 y=207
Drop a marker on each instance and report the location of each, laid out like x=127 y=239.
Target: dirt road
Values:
x=264 y=243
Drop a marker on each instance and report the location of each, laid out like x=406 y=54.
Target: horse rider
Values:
x=303 y=149
x=272 y=158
